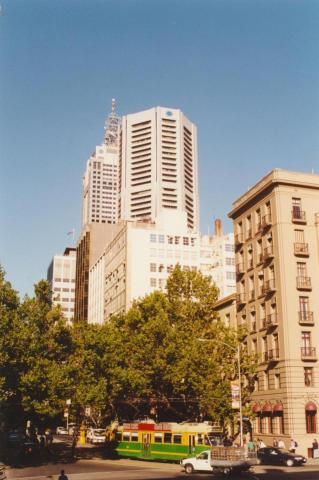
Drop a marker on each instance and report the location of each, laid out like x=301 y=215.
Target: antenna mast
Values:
x=112 y=128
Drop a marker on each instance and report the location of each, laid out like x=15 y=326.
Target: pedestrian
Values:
x=293 y=446
x=315 y=449
x=281 y=443
x=63 y=476
x=261 y=444
x=251 y=446
x=275 y=443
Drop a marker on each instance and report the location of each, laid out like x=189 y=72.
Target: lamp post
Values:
x=237 y=351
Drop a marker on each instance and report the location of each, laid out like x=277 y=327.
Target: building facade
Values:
x=100 y=180
x=61 y=275
x=158 y=166
x=276 y=226
x=90 y=246
x=141 y=257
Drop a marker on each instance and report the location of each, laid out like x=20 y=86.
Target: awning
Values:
x=311 y=407
x=256 y=408
x=278 y=407
x=267 y=408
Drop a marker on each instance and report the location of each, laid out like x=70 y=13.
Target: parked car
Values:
x=61 y=431
x=278 y=456
x=95 y=435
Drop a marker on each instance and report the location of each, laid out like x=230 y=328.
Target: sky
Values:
x=246 y=72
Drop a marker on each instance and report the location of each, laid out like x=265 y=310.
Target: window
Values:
x=311 y=417
x=177 y=240
x=230 y=261
x=126 y=436
x=161 y=239
x=301 y=269
x=230 y=275
x=296 y=207
x=229 y=247
x=177 y=438
x=118 y=436
x=134 y=437
x=277 y=381
x=170 y=239
x=153 y=237
x=158 y=437
x=153 y=282
x=308 y=376
x=299 y=236
x=167 y=437
x=185 y=241
x=153 y=267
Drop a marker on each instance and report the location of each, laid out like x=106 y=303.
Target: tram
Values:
x=163 y=441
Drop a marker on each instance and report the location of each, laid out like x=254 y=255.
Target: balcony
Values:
x=298 y=216
x=308 y=353
x=304 y=283
x=306 y=318
x=249 y=234
x=240 y=269
x=241 y=298
x=239 y=239
x=266 y=221
x=268 y=253
x=269 y=286
x=271 y=355
x=251 y=295
x=301 y=249
x=272 y=320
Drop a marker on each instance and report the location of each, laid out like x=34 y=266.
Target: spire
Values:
x=112 y=127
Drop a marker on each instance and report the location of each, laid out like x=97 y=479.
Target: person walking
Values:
x=62 y=476
x=281 y=443
x=293 y=446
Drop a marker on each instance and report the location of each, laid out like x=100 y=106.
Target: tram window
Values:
x=126 y=436
x=200 y=439
x=177 y=438
x=167 y=437
x=158 y=437
x=134 y=437
x=118 y=436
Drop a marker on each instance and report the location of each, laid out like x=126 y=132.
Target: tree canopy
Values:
x=169 y=357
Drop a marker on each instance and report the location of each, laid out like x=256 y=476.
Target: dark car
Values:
x=277 y=456
x=20 y=446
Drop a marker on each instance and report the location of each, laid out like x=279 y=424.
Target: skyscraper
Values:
x=100 y=180
x=158 y=166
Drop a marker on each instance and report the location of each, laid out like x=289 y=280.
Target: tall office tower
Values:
x=100 y=180
x=61 y=275
x=158 y=166
x=276 y=225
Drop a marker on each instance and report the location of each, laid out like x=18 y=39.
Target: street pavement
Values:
x=88 y=464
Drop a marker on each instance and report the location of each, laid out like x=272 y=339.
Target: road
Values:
x=88 y=465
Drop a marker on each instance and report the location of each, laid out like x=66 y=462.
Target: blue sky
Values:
x=246 y=72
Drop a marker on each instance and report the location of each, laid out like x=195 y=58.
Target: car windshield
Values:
x=99 y=431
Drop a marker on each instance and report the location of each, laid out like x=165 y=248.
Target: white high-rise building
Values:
x=158 y=166
x=100 y=180
x=61 y=275
x=141 y=256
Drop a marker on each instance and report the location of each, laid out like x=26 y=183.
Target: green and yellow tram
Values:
x=163 y=441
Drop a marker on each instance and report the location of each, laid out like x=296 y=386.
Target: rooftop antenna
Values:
x=112 y=127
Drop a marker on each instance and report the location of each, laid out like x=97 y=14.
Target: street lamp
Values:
x=237 y=351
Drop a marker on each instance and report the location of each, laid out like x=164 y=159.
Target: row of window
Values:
x=172 y=240
x=158 y=437
x=161 y=253
x=169 y=268
x=64 y=280
x=64 y=289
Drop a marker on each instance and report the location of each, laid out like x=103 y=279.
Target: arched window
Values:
x=311 y=417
